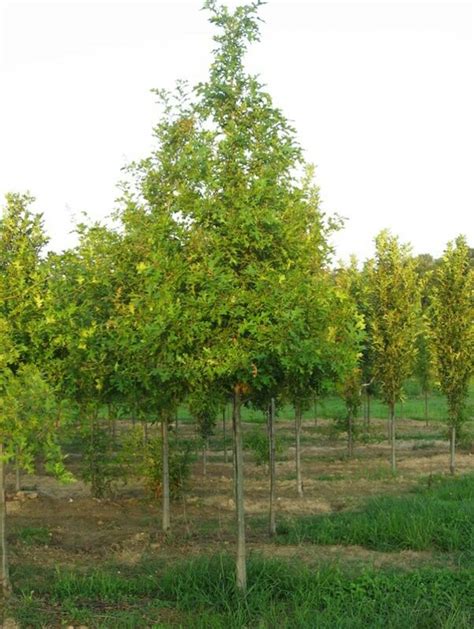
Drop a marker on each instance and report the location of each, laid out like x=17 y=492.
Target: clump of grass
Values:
x=34 y=536
x=201 y=593
x=440 y=517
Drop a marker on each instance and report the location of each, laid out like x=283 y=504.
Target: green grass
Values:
x=34 y=536
x=440 y=517
x=201 y=594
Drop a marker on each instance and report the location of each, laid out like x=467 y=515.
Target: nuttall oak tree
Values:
x=26 y=421
x=230 y=235
x=350 y=391
x=153 y=329
x=394 y=314
x=79 y=333
x=255 y=240
x=424 y=370
x=452 y=330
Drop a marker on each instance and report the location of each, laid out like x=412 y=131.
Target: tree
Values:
x=452 y=311
x=229 y=232
x=79 y=334
x=394 y=306
x=27 y=417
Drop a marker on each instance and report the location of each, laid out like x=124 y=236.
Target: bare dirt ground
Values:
x=83 y=531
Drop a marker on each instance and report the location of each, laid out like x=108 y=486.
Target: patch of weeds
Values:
x=35 y=536
x=440 y=517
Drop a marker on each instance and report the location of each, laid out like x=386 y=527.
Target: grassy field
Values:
x=201 y=593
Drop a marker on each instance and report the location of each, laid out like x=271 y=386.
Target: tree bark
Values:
x=452 y=450
x=272 y=466
x=350 y=435
x=368 y=408
x=426 y=408
x=224 y=430
x=165 y=474
x=17 y=475
x=299 y=481
x=241 y=567
x=393 y=459
x=204 y=457
x=4 y=572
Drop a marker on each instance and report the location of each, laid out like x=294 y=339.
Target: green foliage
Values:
x=437 y=518
x=100 y=467
x=144 y=460
x=257 y=442
x=394 y=306
x=452 y=312
x=29 y=421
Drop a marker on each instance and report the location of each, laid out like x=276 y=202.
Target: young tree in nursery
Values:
x=153 y=328
x=79 y=332
x=204 y=406
x=26 y=403
x=394 y=313
x=233 y=227
x=424 y=363
x=452 y=317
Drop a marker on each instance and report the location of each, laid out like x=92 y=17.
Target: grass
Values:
x=34 y=536
x=440 y=517
x=201 y=593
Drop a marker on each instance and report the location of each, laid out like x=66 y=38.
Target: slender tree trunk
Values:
x=145 y=432
x=426 y=408
x=299 y=481
x=315 y=411
x=350 y=435
x=166 y=474
x=368 y=408
x=4 y=573
x=241 y=567
x=224 y=430
x=452 y=449
x=17 y=473
x=204 y=456
x=393 y=459
x=272 y=466
x=176 y=424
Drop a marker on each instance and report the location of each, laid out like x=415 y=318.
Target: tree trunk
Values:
x=392 y=437
x=241 y=567
x=368 y=408
x=176 y=424
x=350 y=435
x=145 y=432
x=426 y=408
x=299 y=481
x=315 y=411
x=452 y=449
x=165 y=474
x=224 y=430
x=272 y=466
x=17 y=474
x=4 y=574
x=204 y=457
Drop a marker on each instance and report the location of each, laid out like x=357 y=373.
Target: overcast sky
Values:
x=381 y=94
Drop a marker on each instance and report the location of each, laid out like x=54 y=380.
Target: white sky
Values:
x=381 y=93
